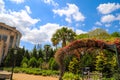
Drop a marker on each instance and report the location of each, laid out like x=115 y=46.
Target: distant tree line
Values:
x=37 y=58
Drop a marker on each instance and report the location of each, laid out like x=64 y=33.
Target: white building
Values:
x=9 y=38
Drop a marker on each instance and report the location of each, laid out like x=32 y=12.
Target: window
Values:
x=4 y=37
x=11 y=41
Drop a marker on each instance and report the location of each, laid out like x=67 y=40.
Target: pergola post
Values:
x=117 y=56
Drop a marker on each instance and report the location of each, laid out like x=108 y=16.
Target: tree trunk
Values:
x=62 y=69
x=64 y=43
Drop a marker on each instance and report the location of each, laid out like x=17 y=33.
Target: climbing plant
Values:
x=88 y=43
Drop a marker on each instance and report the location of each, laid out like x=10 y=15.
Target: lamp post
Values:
x=15 y=52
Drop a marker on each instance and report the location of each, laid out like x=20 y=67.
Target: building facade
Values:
x=9 y=38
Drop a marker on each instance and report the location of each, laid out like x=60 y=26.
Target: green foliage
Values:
x=27 y=55
x=19 y=56
x=74 y=66
x=82 y=36
x=32 y=62
x=45 y=65
x=34 y=53
x=9 y=59
x=24 y=65
x=47 y=50
x=40 y=53
x=87 y=60
x=105 y=63
x=14 y=58
x=40 y=61
x=52 y=64
x=63 y=35
x=71 y=76
x=35 y=71
x=99 y=34
x=115 y=34
x=24 y=62
x=116 y=74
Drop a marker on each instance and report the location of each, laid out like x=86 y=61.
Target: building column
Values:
x=14 y=41
x=7 y=45
x=1 y=50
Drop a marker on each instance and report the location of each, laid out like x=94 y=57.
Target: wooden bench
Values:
x=5 y=75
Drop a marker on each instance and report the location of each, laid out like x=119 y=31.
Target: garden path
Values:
x=22 y=76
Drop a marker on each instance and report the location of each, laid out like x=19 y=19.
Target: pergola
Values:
x=88 y=43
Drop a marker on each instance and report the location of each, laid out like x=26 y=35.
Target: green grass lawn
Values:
x=35 y=71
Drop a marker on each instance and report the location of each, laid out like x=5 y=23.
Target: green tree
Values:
x=40 y=53
x=74 y=66
x=52 y=64
x=98 y=34
x=27 y=55
x=19 y=56
x=87 y=60
x=63 y=35
x=24 y=62
x=40 y=61
x=115 y=34
x=34 y=53
x=81 y=36
x=105 y=63
x=32 y=62
x=47 y=50
x=8 y=62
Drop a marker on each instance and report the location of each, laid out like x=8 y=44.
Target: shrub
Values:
x=24 y=65
x=105 y=63
x=45 y=65
x=74 y=66
x=35 y=71
x=71 y=76
x=40 y=61
x=24 y=62
x=116 y=74
x=52 y=64
x=32 y=62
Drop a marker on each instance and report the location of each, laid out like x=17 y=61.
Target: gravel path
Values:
x=22 y=76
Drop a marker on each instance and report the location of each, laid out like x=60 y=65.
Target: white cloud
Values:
x=78 y=31
x=43 y=34
x=71 y=12
x=49 y=29
x=107 y=8
x=18 y=1
x=21 y=20
x=28 y=9
x=51 y=2
x=110 y=18
x=118 y=17
x=2 y=6
x=107 y=25
x=98 y=23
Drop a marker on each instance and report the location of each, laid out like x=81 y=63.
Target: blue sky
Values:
x=37 y=20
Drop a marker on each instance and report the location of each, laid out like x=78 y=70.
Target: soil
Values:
x=22 y=76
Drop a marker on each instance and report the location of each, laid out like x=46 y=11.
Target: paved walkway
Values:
x=22 y=76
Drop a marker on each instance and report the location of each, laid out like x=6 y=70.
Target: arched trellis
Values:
x=62 y=52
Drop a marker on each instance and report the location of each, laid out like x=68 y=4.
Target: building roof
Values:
x=10 y=28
